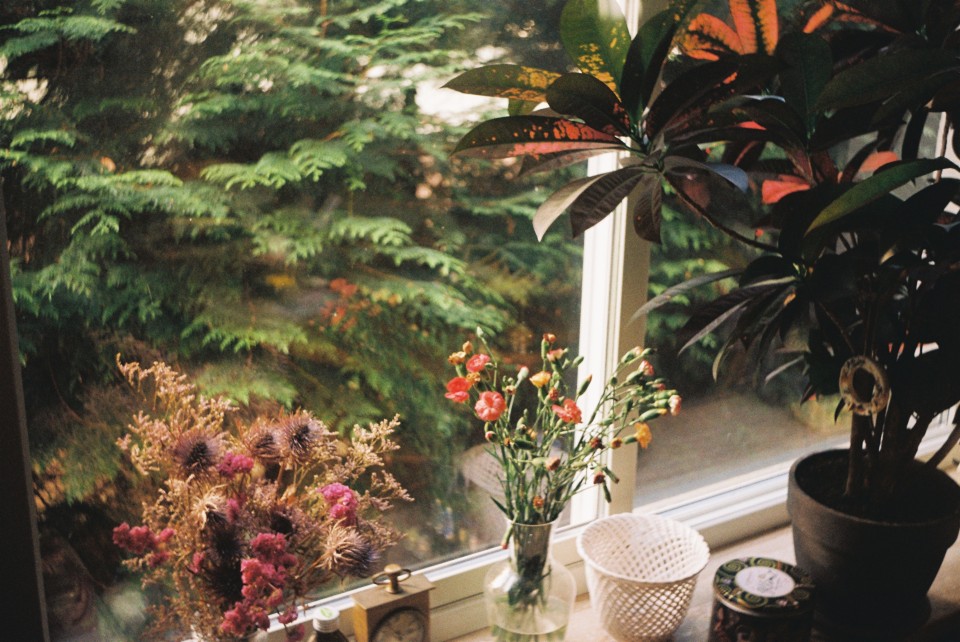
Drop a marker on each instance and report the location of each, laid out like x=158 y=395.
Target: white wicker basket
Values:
x=641 y=571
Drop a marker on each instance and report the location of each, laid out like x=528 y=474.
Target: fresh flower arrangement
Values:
x=248 y=522
x=547 y=452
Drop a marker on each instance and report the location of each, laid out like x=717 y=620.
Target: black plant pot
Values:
x=871 y=576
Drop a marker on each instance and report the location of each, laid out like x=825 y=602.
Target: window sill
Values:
x=943 y=625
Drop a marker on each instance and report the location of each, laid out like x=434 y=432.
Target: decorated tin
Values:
x=761 y=600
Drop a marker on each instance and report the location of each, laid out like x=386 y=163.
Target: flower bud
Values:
x=616 y=442
x=467 y=347
x=646 y=368
x=596 y=443
x=674 y=403
x=490 y=435
x=550 y=337
x=522 y=374
x=553 y=463
x=598 y=477
x=583 y=386
x=554 y=394
x=538 y=502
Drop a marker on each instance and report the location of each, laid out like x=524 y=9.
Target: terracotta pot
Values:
x=871 y=576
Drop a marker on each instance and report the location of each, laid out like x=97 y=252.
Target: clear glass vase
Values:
x=529 y=596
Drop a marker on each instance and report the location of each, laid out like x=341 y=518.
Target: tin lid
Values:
x=764 y=587
x=327 y=620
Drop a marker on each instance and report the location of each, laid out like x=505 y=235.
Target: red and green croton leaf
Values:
x=516 y=82
x=512 y=136
x=590 y=100
x=595 y=35
x=756 y=29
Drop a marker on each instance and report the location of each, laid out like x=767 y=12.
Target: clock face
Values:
x=402 y=625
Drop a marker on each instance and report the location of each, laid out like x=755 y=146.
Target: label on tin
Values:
x=765 y=581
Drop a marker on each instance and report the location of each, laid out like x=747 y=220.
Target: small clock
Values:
x=402 y=625
x=397 y=610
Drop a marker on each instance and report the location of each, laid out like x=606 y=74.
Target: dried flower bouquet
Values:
x=248 y=522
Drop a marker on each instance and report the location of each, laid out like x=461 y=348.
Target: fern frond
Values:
x=381 y=231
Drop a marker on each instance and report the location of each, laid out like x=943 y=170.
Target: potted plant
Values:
x=813 y=132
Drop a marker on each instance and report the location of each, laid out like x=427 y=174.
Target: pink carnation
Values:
x=490 y=406
x=569 y=412
x=457 y=389
x=477 y=363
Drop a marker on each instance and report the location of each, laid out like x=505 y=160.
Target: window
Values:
x=298 y=145
x=270 y=206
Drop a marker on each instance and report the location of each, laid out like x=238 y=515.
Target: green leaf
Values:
x=876 y=186
x=558 y=202
x=686 y=91
x=547 y=162
x=671 y=293
x=709 y=317
x=882 y=76
x=601 y=197
x=515 y=82
x=808 y=66
x=591 y=101
x=648 y=203
x=644 y=59
x=595 y=35
x=534 y=135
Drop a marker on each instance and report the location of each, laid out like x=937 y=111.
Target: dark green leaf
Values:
x=769 y=266
x=672 y=292
x=600 y=198
x=808 y=64
x=595 y=35
x=685 y=91
x=876 y=186
x=558 y=202
x=534 y=135
x=644 y=59
x=648 y=201
x=590 y=100
x=712 y=315
x=879 y=77
x=547 y=162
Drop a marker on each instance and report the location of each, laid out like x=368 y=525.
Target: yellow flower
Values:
x=541 y=379
x=457 y=358
x=643 y=434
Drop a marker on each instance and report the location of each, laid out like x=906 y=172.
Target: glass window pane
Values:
x=261 y=195
x=740 y=422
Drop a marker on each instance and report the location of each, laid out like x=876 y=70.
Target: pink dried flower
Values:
x=137 y=540
x=342 y=503
x=234 y=464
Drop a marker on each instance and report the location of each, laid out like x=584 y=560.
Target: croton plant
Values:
x=816 y=132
